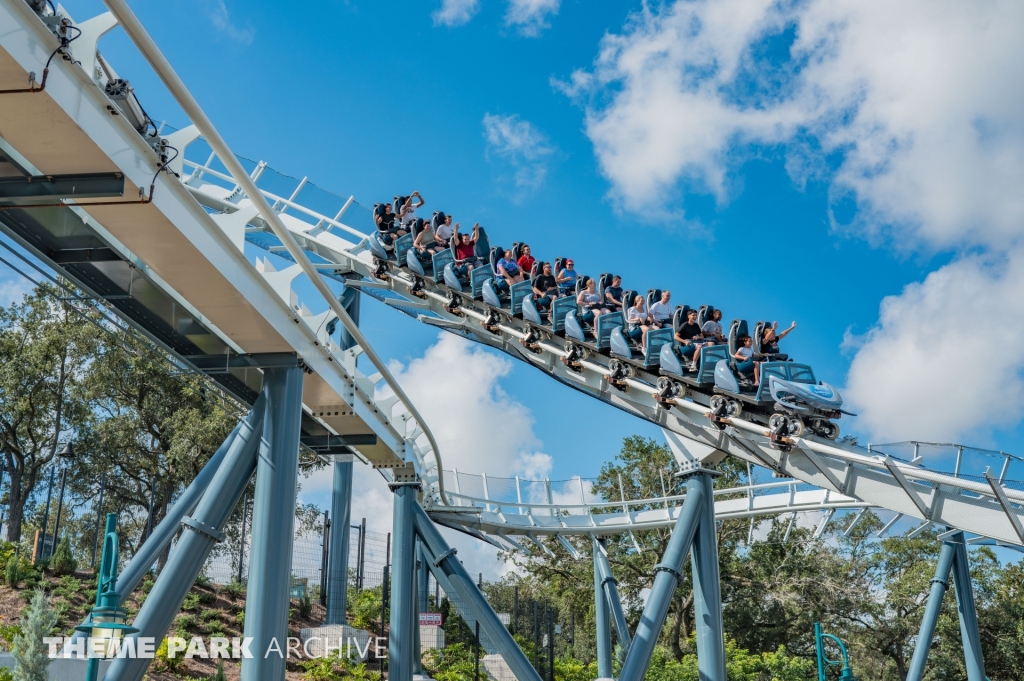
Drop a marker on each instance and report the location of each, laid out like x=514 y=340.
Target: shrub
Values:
x=305 y=607
x=185 y=622
x=31 y=655
x=234 y=589
x=209 y=614
x=219 y=675
x=13 y=573
x=163 y=662
x=63 y=562
x=7 y=634
x=191 y=601
x=240 y=618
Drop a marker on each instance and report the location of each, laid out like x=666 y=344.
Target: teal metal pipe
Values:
x=973 y=660
x=202 y=531
x=403 y=600
x=603 y=631
x=273 y=527
x=668 y=574
x=611 y=590
x=707 y=589
x=940 y=584
x=422 y=605
x=442 y=556
x=337 y=561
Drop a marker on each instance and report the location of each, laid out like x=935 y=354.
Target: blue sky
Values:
x=786 y=161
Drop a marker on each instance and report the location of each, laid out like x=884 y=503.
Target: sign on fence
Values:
x=430 y=619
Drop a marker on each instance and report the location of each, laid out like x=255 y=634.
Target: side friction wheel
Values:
x=795 y=427
x=718 y=405
x=733 y=408
x=777 y=424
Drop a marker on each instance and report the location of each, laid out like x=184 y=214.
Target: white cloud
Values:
x=530 y=16
x=455 y=12
x=217 y=10
x=944 y=356
x=520 y=145
x=13 y=288
x=916 y=98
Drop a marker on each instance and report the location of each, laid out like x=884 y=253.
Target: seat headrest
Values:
x=437 y=220
x=627 y=298
x=516 y=246
x=398 y=203
x=559 y=264
x=537 y=268
x=417 y=227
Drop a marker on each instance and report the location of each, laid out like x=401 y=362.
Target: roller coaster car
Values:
x=787 y=388
x=649 y=353
x=495 y=289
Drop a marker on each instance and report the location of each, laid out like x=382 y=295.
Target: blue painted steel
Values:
x=530 y=311
x=668 y=574
x=350 y=301
x=442 y=557
x=603 y=632
x=940 y=584
x=337 y=561
x=669 y=360
x=490 y=294
x=973 y=660
x=412 y=261
x=824 y=662
x=440 y=261
x=559 y=308
x=618 y=344
x=403 y=601
x=725 y=378
x=451 y=278
x=273 y=526
x=422 y=605
x=518 y=292
x=611 y=590
x=190 y=553
x=573 y=327
x=656 y=338
x=707 y=591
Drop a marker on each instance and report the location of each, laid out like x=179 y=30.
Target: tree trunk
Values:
x=16 y=507
x=677 y=651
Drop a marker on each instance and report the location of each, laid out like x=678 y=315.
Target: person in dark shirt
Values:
x=545 y=288
x=386 y=222
x=690 y=340
x=613 y=293
x=770 y=338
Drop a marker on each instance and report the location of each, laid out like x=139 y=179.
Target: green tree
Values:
x=45 y=350
x=31 y=655
x=63 y=563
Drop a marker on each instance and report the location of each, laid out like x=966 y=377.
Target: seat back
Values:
x=627 y=300
x=418 y=225
x=653 y=296
x=496 y=254
x=736 y=329
x=437 y=220
x=517 y=249
x=652 y=344
x=603 y=328
x=679 y=317
x=477 y=277
x=710 y=355
x=378 y=210
x=482 y=248
x=559 y=308
x=397 y=204
x=518 y=291
x=538 y=267
x=559 y=264
x=758 y=335
x=702 y=315
x=402 y=246
x=581 y=283
x=440 y=260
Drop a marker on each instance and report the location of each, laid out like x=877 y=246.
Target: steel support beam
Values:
x=611 y=592
x=403 y=602
x=421 y=606
x=442 y=556
x=201 y=531
x=337 y=560
x=80 y=186
x=707 y=590
x=940 y=584
x=973 y=660
x=668 y=574
x=273 y=527
x=601 y=612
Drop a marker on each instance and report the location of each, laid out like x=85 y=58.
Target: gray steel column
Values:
x=940 y=584
x=349 y=300
x=611 y=590
x=421 y=606
x=442 y=559
x=273 y=527
x=603 y=631
x=667 y=575
x=338 y=549
x=205 y=528
x=403 y=601
x=707 y=590
x=973 y=660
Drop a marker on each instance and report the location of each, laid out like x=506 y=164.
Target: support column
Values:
x=201 y=532
x=940 y=584
x=707 y=590
x=603 y=631
x=403 y=602
x=442 y=560
x=611 y=593
x=422 y=605
x=273 y=527
x=667 y=575
x=338 y=549
x=973 y=660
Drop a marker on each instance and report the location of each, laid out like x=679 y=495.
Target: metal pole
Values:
x=241 y=537
x=603 y=631
x=46 y=513
x=325 y=547
x=402 y=602
x=940 y=584
x=476 y=640
x=273 y=527
x=417 y=649
x=152 y=503
x=667 y=575
x=362 y=553
x=337 y=556
x=707 y=589
x=201 y=531
x=611 y=589
x=515 y=608
x=60 y=509
x=536 y=640
x=99 y=514
x=384 y=592
x=973 y=660
x=443 y=563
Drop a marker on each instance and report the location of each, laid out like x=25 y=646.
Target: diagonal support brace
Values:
x=1011 y=514
x=905 y=484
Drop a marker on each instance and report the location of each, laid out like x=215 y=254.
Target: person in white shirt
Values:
x=712 y=328
x=744 y=357
x=444 y=231
x=407 y=214
x=660 y=312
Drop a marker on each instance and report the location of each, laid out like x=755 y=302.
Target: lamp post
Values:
x=99 y=515
x=107 y=622
x=66 y=455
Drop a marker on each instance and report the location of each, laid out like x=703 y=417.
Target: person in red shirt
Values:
x=465 y=250
x=526 y=260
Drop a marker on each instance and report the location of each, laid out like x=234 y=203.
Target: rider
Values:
x=636 y=320
x=660 y=311
x=770 y=338
x=544 y=287
x=691 y=340
x=590 y=302
x=744 y=354
x=465 y=250
x=613 y=293
x=567 y=278
x=713 y=327
x=407 y=213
